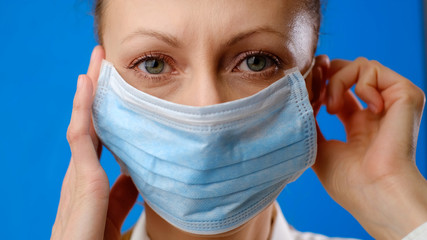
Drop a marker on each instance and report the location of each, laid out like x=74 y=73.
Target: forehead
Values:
x=184 y=18
x=209 y=23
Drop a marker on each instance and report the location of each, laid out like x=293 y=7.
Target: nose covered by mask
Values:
x=208 y=170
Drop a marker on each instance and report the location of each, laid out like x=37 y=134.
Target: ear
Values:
x=318 y=82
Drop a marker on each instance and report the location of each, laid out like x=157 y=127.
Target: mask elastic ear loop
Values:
x=309 y=69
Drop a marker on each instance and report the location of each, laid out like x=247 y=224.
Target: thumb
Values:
x=123 y=196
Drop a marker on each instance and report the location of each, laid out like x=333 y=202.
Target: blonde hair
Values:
x=99 y=12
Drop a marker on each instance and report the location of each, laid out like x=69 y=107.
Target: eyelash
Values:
x=246 y=55
x=158 y=56
x=150 y=56
x=264 y=73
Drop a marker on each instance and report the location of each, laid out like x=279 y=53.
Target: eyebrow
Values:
x=174 y=42
x=165 y=37
x=247 y=34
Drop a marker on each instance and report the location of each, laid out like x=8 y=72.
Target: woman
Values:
x=205 y=54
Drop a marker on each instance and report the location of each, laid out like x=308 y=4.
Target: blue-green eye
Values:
x=256 y=63
x=154 y=66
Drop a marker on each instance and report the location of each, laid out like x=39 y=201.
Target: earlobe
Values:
x=318 y=82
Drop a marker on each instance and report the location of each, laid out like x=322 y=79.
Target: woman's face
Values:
x=204 y=52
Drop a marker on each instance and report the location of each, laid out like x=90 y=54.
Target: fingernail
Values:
x=79 y=82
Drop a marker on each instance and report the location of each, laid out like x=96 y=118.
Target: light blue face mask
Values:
x=208 y=170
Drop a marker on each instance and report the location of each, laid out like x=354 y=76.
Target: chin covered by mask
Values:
x=208 y=170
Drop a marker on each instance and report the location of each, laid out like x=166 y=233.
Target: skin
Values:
x=373 y=174
x=205 y=43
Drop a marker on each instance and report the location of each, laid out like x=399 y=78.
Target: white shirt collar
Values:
x=281 y=229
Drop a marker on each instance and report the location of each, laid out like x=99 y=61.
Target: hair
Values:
x=314 y=7
x=99 y=10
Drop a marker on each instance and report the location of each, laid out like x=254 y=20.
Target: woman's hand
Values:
x=87 y=209
x=373 y=174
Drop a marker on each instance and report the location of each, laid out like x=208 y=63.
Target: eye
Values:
x=153 y=66
x=257 y=63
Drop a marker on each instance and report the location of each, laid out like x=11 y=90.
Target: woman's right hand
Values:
x=87 y=209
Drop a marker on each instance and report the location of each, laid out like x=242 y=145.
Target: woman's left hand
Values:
x=373 y=174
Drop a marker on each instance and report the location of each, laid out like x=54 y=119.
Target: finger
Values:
x=394 y=88
x=350 y=105
x=353 y=125
x=78 y=135
x=361 y=72
x=336 y=65
x=368 y=88
x=335 y=89
x=123 y=196
x=98 y=54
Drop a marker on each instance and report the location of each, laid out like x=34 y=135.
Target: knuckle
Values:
x=368 y=63
x=362 y=61
x=424 y=97
x=420 y=98
x=412 y=95
x=368 y=66
x=73 y=135
x=375 y=63
x=421 y=94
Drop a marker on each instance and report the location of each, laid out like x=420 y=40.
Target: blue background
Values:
x=44 y=45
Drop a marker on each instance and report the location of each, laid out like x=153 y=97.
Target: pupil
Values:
x=256 y=63
x=154 y=66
